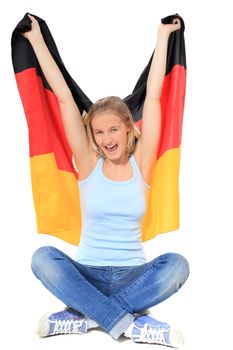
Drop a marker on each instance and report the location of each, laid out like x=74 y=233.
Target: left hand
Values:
x=167 y=29
x=35 y=31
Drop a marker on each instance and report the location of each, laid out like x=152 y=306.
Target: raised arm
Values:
x=158 y=65
x=71 y=117
x=148 y=142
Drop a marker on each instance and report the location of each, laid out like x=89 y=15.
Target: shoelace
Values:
x=153 y=335
x=66 y=326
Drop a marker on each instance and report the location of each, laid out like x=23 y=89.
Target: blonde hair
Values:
x=115 y=105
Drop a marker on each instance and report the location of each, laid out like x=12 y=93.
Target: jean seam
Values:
x=116 y=320
x=133 y=283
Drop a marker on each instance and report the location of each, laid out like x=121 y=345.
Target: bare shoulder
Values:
x=85 y=169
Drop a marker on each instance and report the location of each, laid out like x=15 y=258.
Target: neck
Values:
x=112 y=163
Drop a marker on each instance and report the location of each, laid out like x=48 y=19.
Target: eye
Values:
x=98 y=132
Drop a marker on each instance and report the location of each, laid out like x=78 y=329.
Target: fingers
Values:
x=35 y=28
x=31 y=17
x=34 y=21
x=176 y=22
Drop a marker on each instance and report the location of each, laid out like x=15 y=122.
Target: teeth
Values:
x=111 y=148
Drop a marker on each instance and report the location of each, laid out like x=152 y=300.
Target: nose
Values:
x=107 y=140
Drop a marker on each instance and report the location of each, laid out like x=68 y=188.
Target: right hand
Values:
x=35 y=29
x=169 y=28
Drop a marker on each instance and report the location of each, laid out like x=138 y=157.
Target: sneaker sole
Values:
x=176 y=338
x=42 y=329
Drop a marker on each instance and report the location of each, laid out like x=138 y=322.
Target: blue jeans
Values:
x=109 y=295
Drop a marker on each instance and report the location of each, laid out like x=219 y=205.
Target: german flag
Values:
x=53 y=175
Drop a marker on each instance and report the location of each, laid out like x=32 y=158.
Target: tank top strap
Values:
x=134 y=164
x=137 y=170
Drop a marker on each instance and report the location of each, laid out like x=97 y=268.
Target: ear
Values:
x=128 y=128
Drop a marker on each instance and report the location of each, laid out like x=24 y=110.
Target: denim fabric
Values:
x=110 y=295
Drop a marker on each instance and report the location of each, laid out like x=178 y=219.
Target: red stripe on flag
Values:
x=46 y=131
x=172 y=106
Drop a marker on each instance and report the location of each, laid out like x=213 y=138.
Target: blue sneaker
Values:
x=146 y=329
x=68 y=321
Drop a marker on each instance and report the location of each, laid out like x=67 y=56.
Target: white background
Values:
x=105 y=45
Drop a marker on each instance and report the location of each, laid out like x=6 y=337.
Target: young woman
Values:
x=110 y=284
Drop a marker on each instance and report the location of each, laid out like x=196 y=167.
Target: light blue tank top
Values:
x=112 y=212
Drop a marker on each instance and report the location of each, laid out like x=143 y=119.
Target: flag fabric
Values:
x=53 y=175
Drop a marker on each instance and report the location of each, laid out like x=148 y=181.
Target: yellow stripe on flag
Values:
x=56 y=199
x=162 y=213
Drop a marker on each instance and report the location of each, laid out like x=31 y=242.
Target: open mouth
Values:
x=112 y=149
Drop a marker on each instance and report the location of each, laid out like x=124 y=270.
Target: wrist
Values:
x=36 y=38
x=163 y=35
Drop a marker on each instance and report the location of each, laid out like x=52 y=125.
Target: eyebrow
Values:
x=114 y=126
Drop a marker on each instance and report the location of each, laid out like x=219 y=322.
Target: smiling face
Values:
x=109 y=130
